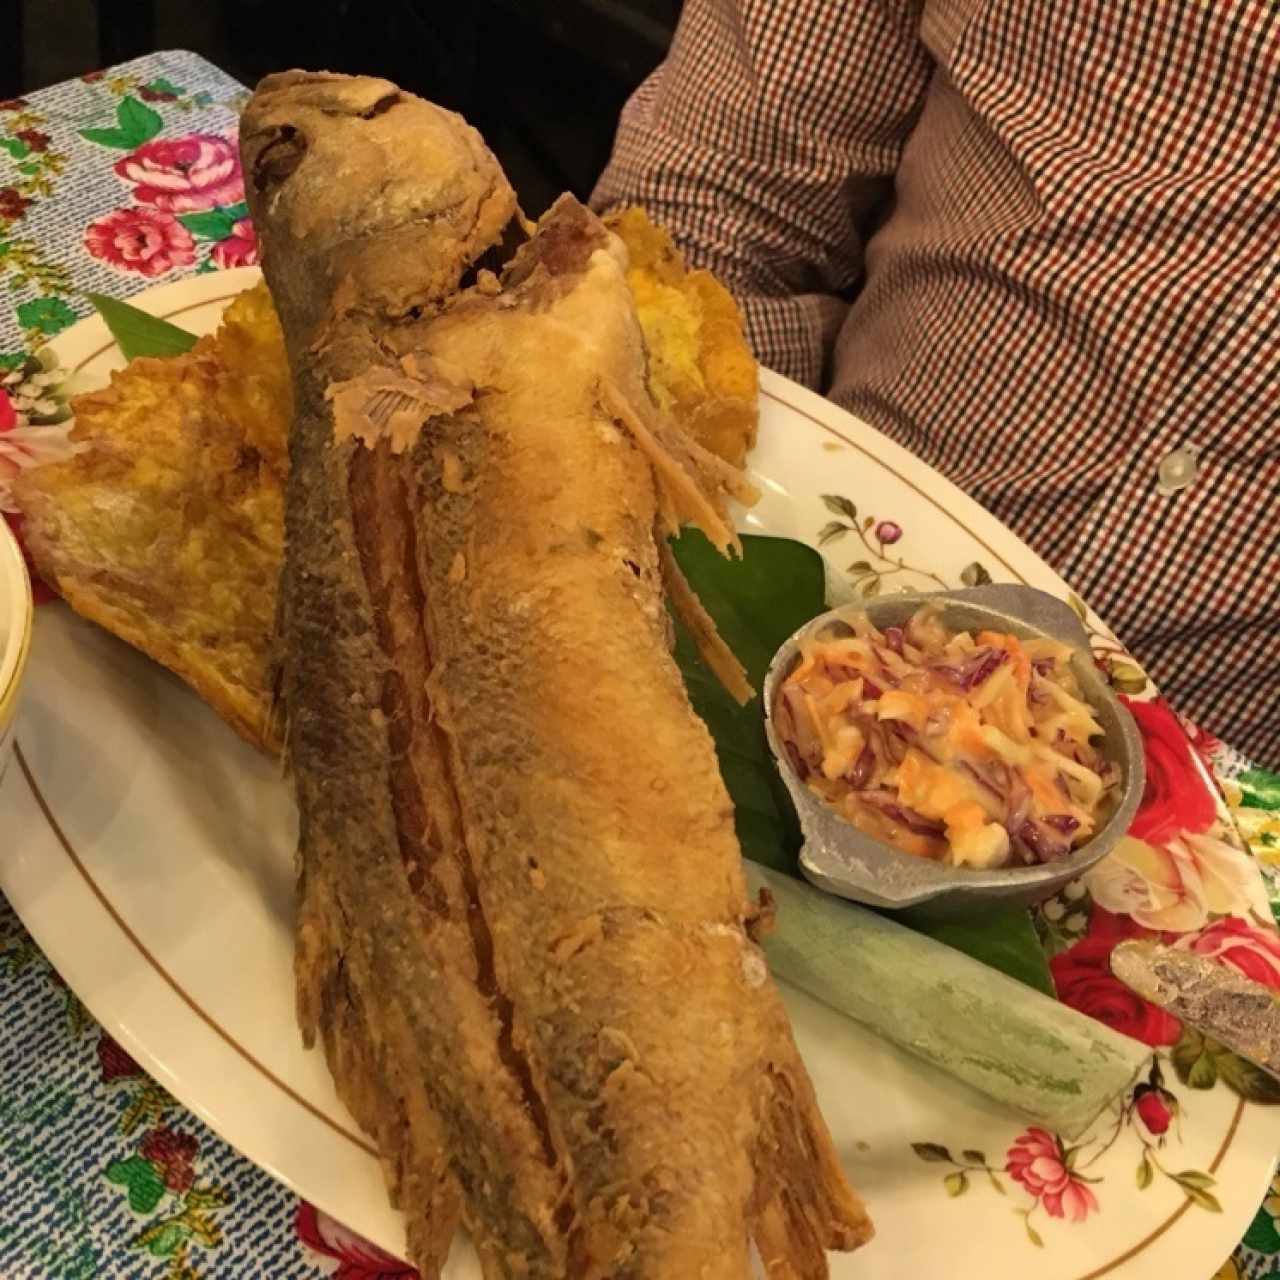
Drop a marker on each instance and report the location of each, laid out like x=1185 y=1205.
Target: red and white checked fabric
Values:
x=1039 y=245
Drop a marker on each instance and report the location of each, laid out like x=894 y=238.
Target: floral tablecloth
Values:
x=110 y=184
x=128 y=177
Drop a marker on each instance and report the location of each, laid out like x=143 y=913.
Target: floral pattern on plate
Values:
x=1181 y=875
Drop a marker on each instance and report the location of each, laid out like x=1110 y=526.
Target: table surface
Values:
x=101 y=1172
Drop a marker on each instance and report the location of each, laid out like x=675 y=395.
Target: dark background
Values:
x=543 y=80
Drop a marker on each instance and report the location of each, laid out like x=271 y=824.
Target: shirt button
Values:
x=1177 y=470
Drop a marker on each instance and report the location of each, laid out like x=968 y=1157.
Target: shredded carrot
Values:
x=975 y=749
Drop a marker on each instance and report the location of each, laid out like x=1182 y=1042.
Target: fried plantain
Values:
x=701 y=371
x=166 y=528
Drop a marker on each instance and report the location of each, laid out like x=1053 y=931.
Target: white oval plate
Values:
x=152 y=859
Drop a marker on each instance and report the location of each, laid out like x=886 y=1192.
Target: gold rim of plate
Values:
x=16 y=583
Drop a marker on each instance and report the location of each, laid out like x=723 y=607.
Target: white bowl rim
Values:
x=16 y=613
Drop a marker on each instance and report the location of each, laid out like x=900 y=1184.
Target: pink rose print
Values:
x=359 y=1259
x=13 y=204
x=1177 y=886
x=141 y=240
x=172 y=1154
x=239 y=249
x=34 y=139
x=888 y=532
x=183 y=175
x=1038 y=1161
x=1254 y=951
x=23 y=447
x=114 y=1062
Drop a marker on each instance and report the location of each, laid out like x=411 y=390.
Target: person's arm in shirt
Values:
x=764 y=142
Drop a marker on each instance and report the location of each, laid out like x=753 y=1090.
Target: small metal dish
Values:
x=842 y=860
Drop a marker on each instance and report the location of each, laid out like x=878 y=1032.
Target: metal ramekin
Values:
x=842 y=860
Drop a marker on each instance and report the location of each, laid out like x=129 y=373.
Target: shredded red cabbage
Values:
x=1063 y=822
x=861 y=768
x=1019 y=803
x=887 y=803
x=798 y=762
x=991 y=777
x=976 y=669
x=1041 y=843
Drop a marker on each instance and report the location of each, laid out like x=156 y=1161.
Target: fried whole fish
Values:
x=524 y=936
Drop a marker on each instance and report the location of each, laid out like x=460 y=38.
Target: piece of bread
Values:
x=166 y=527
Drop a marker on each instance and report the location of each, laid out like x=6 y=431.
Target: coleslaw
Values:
x=975 y=750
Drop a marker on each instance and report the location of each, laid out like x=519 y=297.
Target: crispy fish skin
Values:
x=520 y=888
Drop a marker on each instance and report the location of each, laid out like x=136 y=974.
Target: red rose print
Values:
x=141 y=240
x=1253 y=951
x=360 y=1260
x=1083 y=977
x=13 y=104
x=34 y=139
x=1154 y=1109
x=239 y=249
x=156 y=95
x=183 y=175
x=92 y=77
x=13 y=204
x=1038 y=1161
x=8 y=414
x=1176 y=797
x=172 y=1154
x=115 y=1063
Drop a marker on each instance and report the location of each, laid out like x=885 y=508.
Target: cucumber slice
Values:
x=1050 y=1064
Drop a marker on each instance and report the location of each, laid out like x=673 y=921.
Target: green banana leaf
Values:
x=758 y=602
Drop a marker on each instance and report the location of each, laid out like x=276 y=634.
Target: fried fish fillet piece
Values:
x=166 y=527
x=524 y=936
